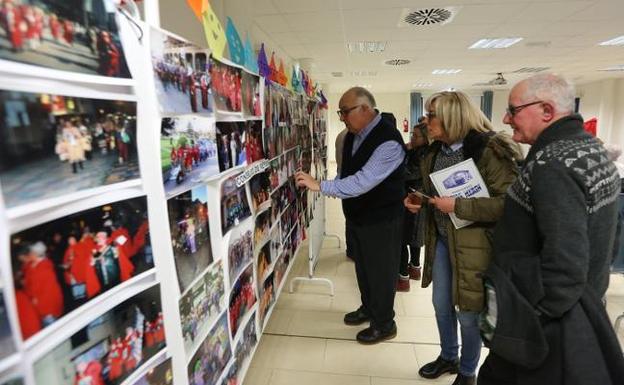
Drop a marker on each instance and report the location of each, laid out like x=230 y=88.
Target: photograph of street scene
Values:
x=201 y=305
x=190 y=234
x=109 y=348
x=52 y=145
x=226 y=86
x=181 y=75
x=213 y=354
x=160 y=375
x=234 y=204
x=188 y=152
x=60 y=265
x=68 y=35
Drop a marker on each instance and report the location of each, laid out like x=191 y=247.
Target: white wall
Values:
x=604 y=100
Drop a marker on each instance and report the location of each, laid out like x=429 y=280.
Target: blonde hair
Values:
x=457 y=114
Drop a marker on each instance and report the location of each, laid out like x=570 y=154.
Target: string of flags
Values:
x=217 y=38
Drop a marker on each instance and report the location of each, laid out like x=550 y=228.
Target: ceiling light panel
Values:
x=367 y=46
x=615 y=41
x=498 y=43
x=449 y=71
x=616 y=68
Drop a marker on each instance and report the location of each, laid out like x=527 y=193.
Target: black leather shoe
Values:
x=372 y=335
x=438 y=367
x=357 y=317
x=464 y=380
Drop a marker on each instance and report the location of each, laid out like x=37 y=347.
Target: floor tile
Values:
x=323 y=325
x=289 y=377
x=280 y=352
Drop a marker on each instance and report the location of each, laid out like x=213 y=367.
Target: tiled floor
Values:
x=306 y=342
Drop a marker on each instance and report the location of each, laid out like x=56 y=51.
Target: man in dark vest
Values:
x=371 y=186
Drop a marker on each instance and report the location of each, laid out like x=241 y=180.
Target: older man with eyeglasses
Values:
x=545 y=322
x=371 y=186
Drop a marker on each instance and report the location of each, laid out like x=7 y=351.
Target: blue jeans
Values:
x=447 y=316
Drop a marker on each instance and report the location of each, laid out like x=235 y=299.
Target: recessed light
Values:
x=615 y=68
x=422 y=85
x=363 y=73
x=615 y=41
x=504 y=42
x=530 y=70
x=366 y=46
x=446 y=71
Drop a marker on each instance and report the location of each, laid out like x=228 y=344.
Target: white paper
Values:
x=462 y=180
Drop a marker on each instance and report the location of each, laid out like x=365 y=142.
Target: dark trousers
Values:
x=349 y=240
x=377 y=251
x=409 y=252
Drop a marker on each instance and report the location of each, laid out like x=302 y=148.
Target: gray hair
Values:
x=361 y=92
x=551 y=88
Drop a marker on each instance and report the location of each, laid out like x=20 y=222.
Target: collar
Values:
x=369 y=127
x=565 y=127
x=449 y=149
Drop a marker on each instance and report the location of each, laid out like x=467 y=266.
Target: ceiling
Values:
x=562 y=35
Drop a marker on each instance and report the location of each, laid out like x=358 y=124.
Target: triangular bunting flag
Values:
x=215 y=36
x=281 y=75
x=273 y=75
x=198 y=7
x=323 y=100
x=237 y=51
x=263 y=65
x=250 y=59
x=294 y=80
x=304 y=81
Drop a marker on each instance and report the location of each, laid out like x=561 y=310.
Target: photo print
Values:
x=12 y=381
x=211 y=358
x=77 y=36
x=275 y=241
x=110 y=347
x=188 y=152
x=7 y=344
x=60 y=265
x=246 y=345
x=54 y=145
x=272 y=141
x=280 y=113
x=231 y=377
x=234 y=204
x=242 y=298
x=253 y=141
x=281 y=265
x=260 y=187
x=181 y=75
x=274 y=173
x=162 y=374
x=226 y=86
x=263 y=225
x=264 y=261
x=250 y=92
x=267 y=297
x=201 y=306
x=190 y=234
x=231 y=144
x=240 y=254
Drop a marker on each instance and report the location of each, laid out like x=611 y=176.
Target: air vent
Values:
x=363 y=73
x=530 y=70
x=397 y=62
x=538 y=44
x=427 y=16
x=337 y=74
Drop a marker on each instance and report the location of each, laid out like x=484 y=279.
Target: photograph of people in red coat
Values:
x=109 y=348
x=242 y=298
x=231 y=144
x=226 y=86
x=181 y=77
x=250 y=91
x=77 y=36
x=60 y=265
x=253 y=142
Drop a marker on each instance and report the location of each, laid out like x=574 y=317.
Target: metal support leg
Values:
x=311 y=279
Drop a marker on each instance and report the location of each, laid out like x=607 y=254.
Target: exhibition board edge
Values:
x=148 y=365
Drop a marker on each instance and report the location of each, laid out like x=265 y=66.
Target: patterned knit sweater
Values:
x=558 y=227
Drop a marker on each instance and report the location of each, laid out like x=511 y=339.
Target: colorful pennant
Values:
x=213 y=31
x=237 y=51
x=250 y=60
x=198 y=7
x=263 y=65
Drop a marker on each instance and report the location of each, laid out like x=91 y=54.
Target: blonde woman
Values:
x=455 y=258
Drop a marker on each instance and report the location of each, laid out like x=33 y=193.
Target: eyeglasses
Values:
x=342 y=113
x=512 y=111
x=431 y=115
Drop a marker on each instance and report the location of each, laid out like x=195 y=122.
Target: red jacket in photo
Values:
x=41 y=286
x=29 y=320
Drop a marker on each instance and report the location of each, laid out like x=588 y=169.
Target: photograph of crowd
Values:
x=240 y=254
x=162 y=374
x=272 y=141
x=231 y=377
x=188 y=152
x=242 y=298
x=281 y=265
x=263 y=225
x=274 y=173
x=181 y=75
x=246 y=344
x=213 y=354
x=275 y=240
x=201 y=306
x=267 y=297
x=253 y=141
x=263 y=260
x=234 y=204
x=283 y=197
x=231 y=144
x=288 y=220
x=280 y=112
x=7 y=344
x=190 y=234
x=260 y=187
x=226 y=86
x=109 y=348
x=60 y=265
x=250 y=91
x=72 y=35
x=54 y=145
